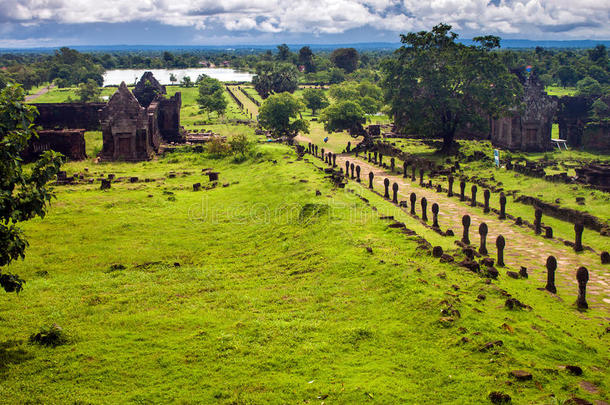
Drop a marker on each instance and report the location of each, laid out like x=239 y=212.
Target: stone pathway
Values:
x=40 y=92
x=523 y=247
x=249 y=106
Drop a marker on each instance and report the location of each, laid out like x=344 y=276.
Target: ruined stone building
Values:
x=133 y=124
x=527 y=130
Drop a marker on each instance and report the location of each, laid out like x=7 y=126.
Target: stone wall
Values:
x=596 y=136
x=69 y=115
x=69 y=142
x=169 y=118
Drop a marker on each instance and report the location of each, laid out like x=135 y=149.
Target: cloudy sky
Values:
x=25 y=23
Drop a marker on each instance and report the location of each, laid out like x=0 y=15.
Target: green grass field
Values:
x=275 y=299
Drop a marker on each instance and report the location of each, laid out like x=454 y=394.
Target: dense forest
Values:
x=588 y=69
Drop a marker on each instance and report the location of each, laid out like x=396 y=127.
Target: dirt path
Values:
x=40 y=92
x=523 y=247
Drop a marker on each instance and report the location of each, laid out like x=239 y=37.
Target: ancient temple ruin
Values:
x=528 y=130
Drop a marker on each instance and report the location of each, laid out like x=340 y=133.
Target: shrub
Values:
x=241 y=145
x=217 y=147
x=52 y=336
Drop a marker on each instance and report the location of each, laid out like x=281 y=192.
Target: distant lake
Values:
x=131 y=76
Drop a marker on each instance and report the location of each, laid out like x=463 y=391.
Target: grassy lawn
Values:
x=560 y=91
x=275 y=299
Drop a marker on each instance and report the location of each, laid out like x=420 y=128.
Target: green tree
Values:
x=344 y=115
x=89 y=92
x=24 y=194
x=345 y=58
x=275 y=78
x=589 y=87
x=283 y=53
x=173 y=78
x=306 y=59
x=315 y=99
x=211 y=96
x=186 y=82
x=437 y=86
x=280 y=114
x=368 y=95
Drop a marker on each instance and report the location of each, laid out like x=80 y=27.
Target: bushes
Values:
x=52 y=336
x=239 y=145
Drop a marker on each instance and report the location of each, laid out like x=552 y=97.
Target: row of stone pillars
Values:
x=582 y=277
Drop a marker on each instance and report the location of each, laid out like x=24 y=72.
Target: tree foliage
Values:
x=345 y=58
x=368 y=95
x=211 y=96
x=589 y=87
x=24 y=194
x=306 y=59
x=275 y=78
x=89 y=92
x=315 y=99
x=280 y=115
x=437 y=86
x=344 y=115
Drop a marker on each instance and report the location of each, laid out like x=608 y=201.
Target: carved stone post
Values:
x=424 y=213
x=500 y=244
x=578 y=229
x=405 y=165
x=582 y=276
x=358 y=173
x=352 y=168
x=462 y=190
x=466 y=225
x=346 y=168
x=334 y=160
x=322 y=153
x=371 y=176
x=548 y=232
x=395 y=193
x=450 y=188
x=502 y=206
x=551 y=266
x=413 y=198
x=369 y=153
x=386 y=184
x=392 y=164
x=349 y=146
x=473 y=200
x=413 y=173
x=315 y=150
x=486 y=195
x=483 y=233
x=421 y=177
x=435 y=216
x=538 y=221
x=375 y=157
x=380 y=159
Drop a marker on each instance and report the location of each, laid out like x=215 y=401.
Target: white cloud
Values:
x=530 y=17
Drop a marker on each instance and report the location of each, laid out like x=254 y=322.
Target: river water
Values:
x=131 y=76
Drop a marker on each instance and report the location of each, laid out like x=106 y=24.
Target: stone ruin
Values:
x=68 y=142
x=530 y=130
x=130 y=132
x=59 y=116
x=147 y=89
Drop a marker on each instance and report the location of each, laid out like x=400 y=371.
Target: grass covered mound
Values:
x=264 y=291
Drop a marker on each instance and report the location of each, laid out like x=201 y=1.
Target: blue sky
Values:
x=32 y=23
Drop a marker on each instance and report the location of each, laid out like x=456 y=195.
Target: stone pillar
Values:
x=369 y=153
x=346 y=168
x=413 y=173
x=349 y=146
x=450 y=187
x=386 y=184
x=421 y=177
x=352 y=169
x=380 y=159
x=502 y=206
x=413 y=198
x=473 y=190
x=424 y=206
x=483 y=233
x=315 y=150
x=582 y=276
x=462 y=190
x=392 y=164
x=405 y=165
x=310 y=147
x=435 y=216
x=548 y=232
x=500 y=244
x=322 y=153
x=486 y=195
x=538 y=221
x=375 y=157
x=551 y=266
x=371 y=176
x=334 y=160
x=578 y=229
x=358 y=173
x=466 y=225
x=395 y=193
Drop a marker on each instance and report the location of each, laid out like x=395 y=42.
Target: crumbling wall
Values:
x=169 y=118
x=147 y=89
x=68 y=142
x=69 y=115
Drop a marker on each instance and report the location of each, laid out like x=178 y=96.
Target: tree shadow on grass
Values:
x=12 y=352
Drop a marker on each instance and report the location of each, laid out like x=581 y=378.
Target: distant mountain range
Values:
x=506 y=43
